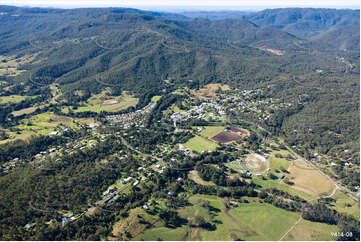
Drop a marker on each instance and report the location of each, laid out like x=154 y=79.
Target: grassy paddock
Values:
x=156 y=98
x=278 y=163
x=312 y=231
x=102 y=102
x=13 y=98
x=281 y=186
x=345 y=204
x=267 y=221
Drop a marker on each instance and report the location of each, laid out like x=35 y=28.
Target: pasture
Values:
x=43 y=123
x=166 y=234
x=253 y=221
x=278 y=163
x=102 y=102
x=24 y=111
x=246 y=221
x=269 y=183
x=13 y=99
x=345 y=204
x=311 y=231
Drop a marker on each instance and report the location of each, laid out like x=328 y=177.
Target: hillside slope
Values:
x=305 y=22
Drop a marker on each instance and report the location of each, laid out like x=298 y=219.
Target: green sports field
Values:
x=211 y=131
x=200 y=144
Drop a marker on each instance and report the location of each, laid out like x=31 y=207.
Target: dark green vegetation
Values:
x=293 y=78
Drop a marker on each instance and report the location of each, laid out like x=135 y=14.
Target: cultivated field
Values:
x=226 y=137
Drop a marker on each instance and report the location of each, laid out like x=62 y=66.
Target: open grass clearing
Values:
x=269 y=183
x=282 y=152
x=166 y=234
x=14 y=136
x=345 y=204
x=24 y=111
x=193 y=175
x=132 y=226
x=268 y=221
x=44 y=123
x=311 y=231
x=156 y=98
x=102 y=102
x=253 y=221
x=13 y=99
x=200 y=144
x=209 y=90
x=278 y=163
x=308 y=180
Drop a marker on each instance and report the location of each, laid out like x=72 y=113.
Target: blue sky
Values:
x=224 y=4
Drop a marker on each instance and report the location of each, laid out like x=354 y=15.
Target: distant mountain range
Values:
x=301 y=22
x=139 y=49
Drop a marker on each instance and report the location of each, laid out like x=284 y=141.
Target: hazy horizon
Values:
x=186 y=5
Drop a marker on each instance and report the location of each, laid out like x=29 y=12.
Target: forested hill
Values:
x=85 y=51
x=304 y=23
x=137 y=51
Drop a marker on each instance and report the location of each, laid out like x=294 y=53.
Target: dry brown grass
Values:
x=197 y=179
x=308 y=180
x=209 y=90
x=23 y=111
x=85 y=120
x=273 y=51
x=131 y=225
